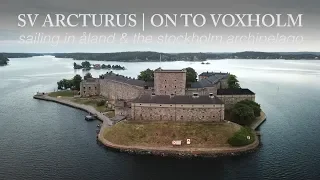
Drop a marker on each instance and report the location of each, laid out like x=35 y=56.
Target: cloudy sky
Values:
x=18 y=39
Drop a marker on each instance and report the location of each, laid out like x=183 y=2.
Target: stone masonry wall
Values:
x=230 y=100
x=89 y=88
x=117 y=90
x=123 y=111
x=204 y=91
x=181 y=112
x=166 y=83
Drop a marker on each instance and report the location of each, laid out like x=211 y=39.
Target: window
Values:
x=84 y=92
x=84 y=87
x=89 y=87
x=95 y=88
x=175 y=86
x=165 y=86
x=160 y=105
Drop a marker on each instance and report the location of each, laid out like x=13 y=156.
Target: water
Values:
x=43 y=140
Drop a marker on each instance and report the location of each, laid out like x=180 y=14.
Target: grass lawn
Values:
x=91 y=102
x=158 y=134
x=62 y=93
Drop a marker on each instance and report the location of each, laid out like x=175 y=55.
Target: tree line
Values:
x=155 y=56
x=87 y=65
x=148 y=75
x=3 y=60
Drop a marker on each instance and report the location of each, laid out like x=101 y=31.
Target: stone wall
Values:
x=204 y=91
x=177 y=112
x=89 y=88
x=123 y=111
x=230 y=100
x=169 y=82
x=117 y=90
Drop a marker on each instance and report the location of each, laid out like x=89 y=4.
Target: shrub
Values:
x=242 y=114
x=255 y=106
x=101 y=103
x=240 y=138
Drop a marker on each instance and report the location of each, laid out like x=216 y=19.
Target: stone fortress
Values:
x=167 y=98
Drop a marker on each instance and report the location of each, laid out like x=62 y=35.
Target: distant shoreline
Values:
x=147 y=56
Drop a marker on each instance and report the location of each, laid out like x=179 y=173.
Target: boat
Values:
x=202 y=63
x=207 y=63
x=89 y=118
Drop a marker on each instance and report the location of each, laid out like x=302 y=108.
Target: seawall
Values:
x=158 y=151
x=260 y=120
x=83 y=107
x=178 y=151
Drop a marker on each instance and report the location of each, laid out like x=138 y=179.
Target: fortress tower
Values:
x=167 y=82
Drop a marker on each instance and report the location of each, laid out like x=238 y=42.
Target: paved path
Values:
x=83 y=107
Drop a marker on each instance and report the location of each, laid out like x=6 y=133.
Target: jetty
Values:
x=89 y=109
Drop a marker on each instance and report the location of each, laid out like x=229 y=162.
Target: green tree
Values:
x=255 y=106
x=146 y=75
x=233 y=82
x=86 y=64
x=76 y=81
x=76 y=66
x=65 y=84
x=242 y=114
x=87 y=76
x=3 y=60
x=191 y=75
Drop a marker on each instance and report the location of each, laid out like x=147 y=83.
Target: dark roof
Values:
x=124 y=79
x=234 y=92
x=210 y=81
x=170 y=70
x=177 y=99
x=149 y=83
x=212 y=73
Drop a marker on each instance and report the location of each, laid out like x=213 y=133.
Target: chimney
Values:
x=211 y=95
x=195 y=95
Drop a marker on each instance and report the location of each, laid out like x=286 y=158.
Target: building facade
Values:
x=167 y=98
x=167 y=82
x=177 y=108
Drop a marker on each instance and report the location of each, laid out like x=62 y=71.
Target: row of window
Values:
x=172 y=116
x=89 y=88
x=180 y=105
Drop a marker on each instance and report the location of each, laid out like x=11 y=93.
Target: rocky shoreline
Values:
x=155 y=151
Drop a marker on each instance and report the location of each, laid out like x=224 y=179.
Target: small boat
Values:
x=89 y=118
x=202 y=63
x=207 y=63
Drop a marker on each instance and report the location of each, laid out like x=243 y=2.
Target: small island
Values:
x=167 y=112
x=3 y=60
x=86 y=65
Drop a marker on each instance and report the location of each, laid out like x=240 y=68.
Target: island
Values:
x=86 y=65
x=167 y=112
x=3 y=60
